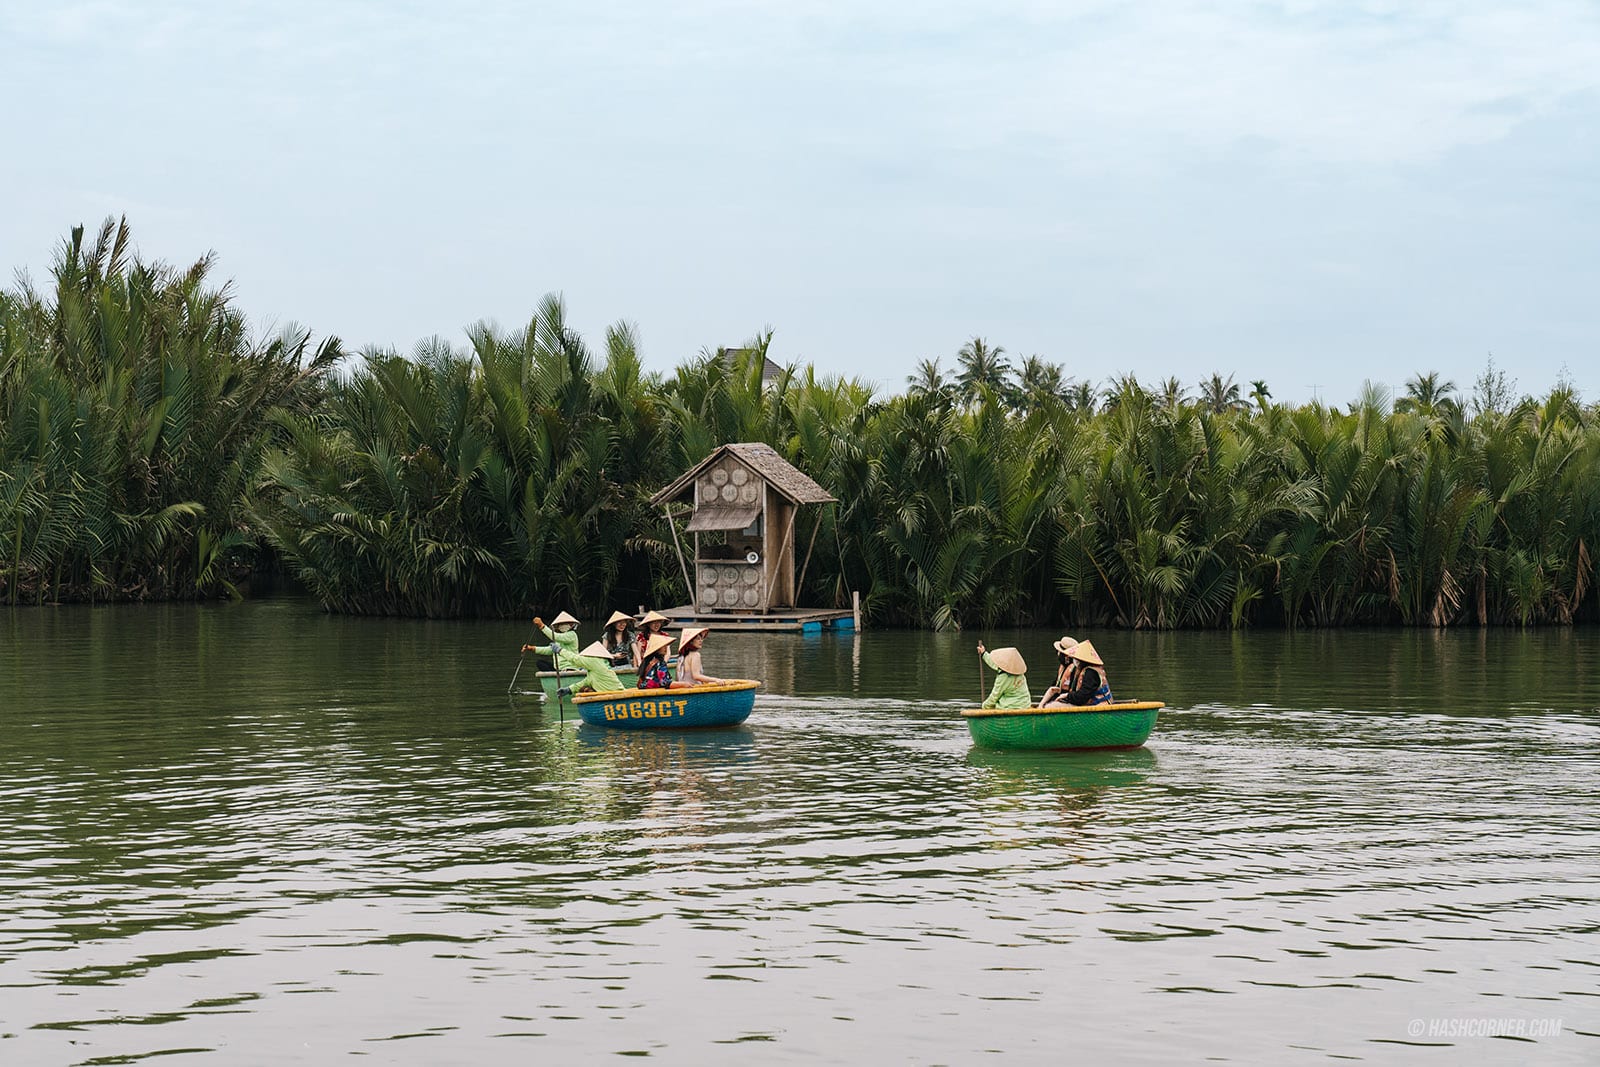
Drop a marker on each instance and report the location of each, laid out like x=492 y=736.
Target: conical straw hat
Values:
x=597 y=650
x=1085 y=653
x=1065 y=645
x=657 y=643
x=618 y=616
x=563 y=617
x=653 y=616
x=689 y=634
x=1008 y=660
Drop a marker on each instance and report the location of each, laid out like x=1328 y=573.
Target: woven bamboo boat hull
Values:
x=1123 y=725
x=726 y=704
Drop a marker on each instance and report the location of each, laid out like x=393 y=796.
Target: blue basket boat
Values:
x=724 y=704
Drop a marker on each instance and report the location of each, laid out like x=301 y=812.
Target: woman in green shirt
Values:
x=598 y=677
x=1010 y=686
x=562 y=633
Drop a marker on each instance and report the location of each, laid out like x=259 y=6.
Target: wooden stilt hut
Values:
x=742 y=502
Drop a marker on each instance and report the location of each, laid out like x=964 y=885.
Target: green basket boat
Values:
x=1123 y=725
x=549 y=681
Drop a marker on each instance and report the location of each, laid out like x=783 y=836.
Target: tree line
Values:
x=154 y=448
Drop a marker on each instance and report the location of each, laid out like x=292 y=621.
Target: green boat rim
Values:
x=1126 y=705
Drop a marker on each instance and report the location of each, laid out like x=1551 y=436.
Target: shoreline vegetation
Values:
x=154 y=449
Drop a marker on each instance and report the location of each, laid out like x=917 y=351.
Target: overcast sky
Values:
x=1311 y=193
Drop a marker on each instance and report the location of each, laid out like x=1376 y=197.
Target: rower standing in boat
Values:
x=618 y=639
x=689 y=669
x=1065 y=667
x=1010 y=684
x=562 y=633
x=649 y=626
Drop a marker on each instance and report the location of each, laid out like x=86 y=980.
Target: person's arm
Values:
x=538 y=624
x=701 y=677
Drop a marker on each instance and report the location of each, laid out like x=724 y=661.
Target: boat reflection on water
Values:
x=664 y=747
x=673 y=788
x=1066 y=769
x=1061 y=799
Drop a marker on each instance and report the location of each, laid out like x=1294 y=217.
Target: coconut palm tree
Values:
x=983 y=367
x=1220 y=395
x=1429 y=395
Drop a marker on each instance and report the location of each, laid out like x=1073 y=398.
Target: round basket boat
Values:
x=549 y=681
x=628 y=675
x=724 y=704
x=1123 y=725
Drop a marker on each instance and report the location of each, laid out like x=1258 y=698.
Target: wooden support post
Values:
x=855 y=606
x=800 y=582
x=678 y=548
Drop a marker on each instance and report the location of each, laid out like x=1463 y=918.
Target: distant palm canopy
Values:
x=153 y=448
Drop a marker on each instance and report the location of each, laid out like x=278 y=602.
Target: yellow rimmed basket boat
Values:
x=727 y=703
x=1122 y=725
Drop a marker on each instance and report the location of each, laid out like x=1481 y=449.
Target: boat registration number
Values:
x=646 y=709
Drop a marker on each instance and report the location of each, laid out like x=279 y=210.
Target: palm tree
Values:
x=983 y=367
x=929 y=380
x=1039 y=378
x=1428 y=395
x=1260 y=393
x=1173 y=394
x=1220 y=396
x=1081 y=397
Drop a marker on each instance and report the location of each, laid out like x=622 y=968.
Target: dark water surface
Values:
x=256 y=834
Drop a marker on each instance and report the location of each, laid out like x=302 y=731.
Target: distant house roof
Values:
x=770 y=371
x=765 y=462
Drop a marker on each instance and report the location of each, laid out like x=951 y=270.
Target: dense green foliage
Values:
x=135 y=412
x=148 y=444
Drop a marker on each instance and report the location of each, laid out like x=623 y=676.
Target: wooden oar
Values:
x=513 y=686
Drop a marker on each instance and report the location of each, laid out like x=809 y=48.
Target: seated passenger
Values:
x=650 y=625
x=690 y=670
x=1089 y=683
x=617 y=638
x=1010 y=686
x=1064 y=670
x=653 y=672
x=598 y=677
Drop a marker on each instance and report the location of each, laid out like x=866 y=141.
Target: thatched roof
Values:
x=764 y=462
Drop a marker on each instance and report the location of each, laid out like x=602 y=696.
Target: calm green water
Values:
x=255 y=834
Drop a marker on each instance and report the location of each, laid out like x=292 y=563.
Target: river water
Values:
x=253 y=833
